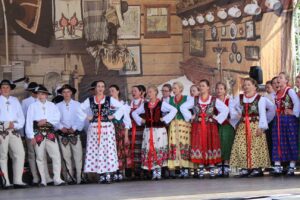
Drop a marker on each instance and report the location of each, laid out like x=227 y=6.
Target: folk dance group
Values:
x=195 y=133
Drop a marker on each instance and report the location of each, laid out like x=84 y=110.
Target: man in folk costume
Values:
x=69 y=129
x=42 y=116
x=155 y=138
x=31 y=154
x=11 y=121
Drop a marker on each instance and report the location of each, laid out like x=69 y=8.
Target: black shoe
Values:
x=256 y=173
x=20 y=186
x=8 y=187
x=102 y=179
x=42 y=185
x=291 y=171
x=34 y=184
x=50 y=183
x=71 y=183
x=244 y=173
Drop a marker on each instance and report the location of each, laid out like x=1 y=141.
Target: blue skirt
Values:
x=289 y=128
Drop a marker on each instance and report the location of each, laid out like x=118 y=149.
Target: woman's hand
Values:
x=259 y=132
x=126 y=140
x=288 y=111
x=111 y=117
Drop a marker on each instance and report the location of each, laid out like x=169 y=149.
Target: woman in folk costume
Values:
x=285 y=127
x=226 y=132
x=250 y=149
x=179 y=135
x=136 y=133
x=155 y=139
x=121 y=129
x=297 y=84
x=205 y=141
x=101 y=150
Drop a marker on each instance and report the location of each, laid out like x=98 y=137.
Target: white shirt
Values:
x=85 y=108
x=69 y=115
x=38 y=111
x=165 y=107
x=11 y=111
x=220 y=106
x=166 y=99
x=26 y=103
x=265 y=108
x=126 y=117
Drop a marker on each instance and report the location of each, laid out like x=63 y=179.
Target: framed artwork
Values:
x=252 y=52
x=238 y=57
x=157 y=21
x=197 y=42
x=133 y=64
x=223 y=31
x=214 y=33
x=233 y=30
x=132 y=24
x=234 y=48
x=250 y=30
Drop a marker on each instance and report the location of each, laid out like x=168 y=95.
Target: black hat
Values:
x=57 y=99
x=66 y=86
x=93 y=85
x=41 y=89
x=124 y=6
x=7 y=82
x=31 y=87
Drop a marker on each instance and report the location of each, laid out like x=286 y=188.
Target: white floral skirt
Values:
x=101 y=158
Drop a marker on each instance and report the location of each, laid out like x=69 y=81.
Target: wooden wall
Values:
x=270 y=33
x=160 y=57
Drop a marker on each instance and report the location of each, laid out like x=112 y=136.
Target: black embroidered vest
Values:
x=153 y=120
x=105 y=112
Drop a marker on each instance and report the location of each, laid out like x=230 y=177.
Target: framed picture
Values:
x=233 y=30
x=223 y=31
x=250 y=30
x=157 y=21
x=197 y=42
x=234 y=48
x=133 y=66
x=214 y=33
x=132 y=24
x=252 y=52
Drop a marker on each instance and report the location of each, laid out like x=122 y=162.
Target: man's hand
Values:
x=11 y=125
x=64 y=130
x=33 y=141
x=42 y=122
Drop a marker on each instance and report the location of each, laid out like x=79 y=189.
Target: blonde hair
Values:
x=154 y=88
x=286 y=76
x=179 y=84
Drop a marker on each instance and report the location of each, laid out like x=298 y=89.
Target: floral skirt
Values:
x=122 y=148
x=179 y=144
x=285 y=145
x=101 y=158
x=259 y=154
x=206 y=148
x=160 y=140
x=226 y=133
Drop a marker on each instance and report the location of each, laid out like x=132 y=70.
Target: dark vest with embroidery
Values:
x=104 y=110
x=210 y=110
x=284 y=102
x=253 y=110
x=153 y=116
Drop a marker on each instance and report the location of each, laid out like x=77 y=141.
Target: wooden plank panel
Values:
x=161 y=69
x=154 y=59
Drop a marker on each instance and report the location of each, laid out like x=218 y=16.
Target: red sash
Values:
x=99 y=118
x=248 y=136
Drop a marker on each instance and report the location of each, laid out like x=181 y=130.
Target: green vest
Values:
x=179 y=115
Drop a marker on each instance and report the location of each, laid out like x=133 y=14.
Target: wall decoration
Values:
x=214 y=33
x=234 y=48
x=252 y=52
x=238 y=57
x=250 y=30
x=157 y=21
x=241 y=31
x=233 y=30
x=223 y=31
x=132 y=24
x=197 y=42
x=133 y=62
x=231 y=58
x=68 y=24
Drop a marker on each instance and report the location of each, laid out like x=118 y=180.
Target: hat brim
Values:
x=67 y=88
x=30 y=89
x=12 y=86
x=42 y=91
